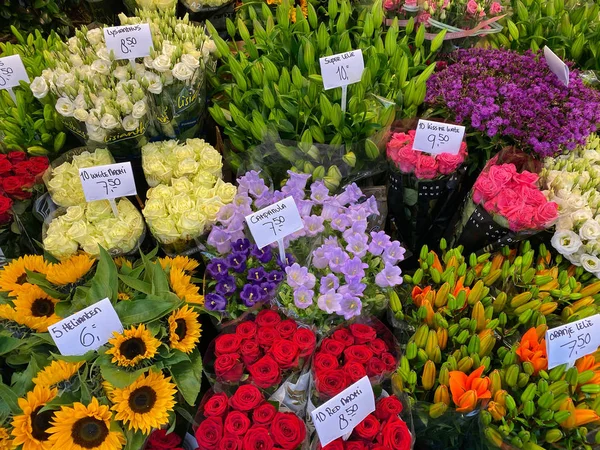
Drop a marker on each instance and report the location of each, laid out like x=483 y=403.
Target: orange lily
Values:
x=460 y=287
x=589 y=363
x=578 y=417
x=467 y=390
x=419 y=294
x=533 y=349
x=436 y=263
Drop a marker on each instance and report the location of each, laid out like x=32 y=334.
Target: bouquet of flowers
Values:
x=150 y=5
x=424 y=189
x=245 y=419
x=163 y=440
x=506 y=204
x=571 y=182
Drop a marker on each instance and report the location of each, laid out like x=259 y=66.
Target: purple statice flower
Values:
x=379 y=242
x=215 y=302
x=251 y=294
x=329 y=282
x=226 y=286
x=241 y=246
x=329 y=302
x=257 y=275
x=357 y=244
x=219 y=239
x=303 y=297
x=304 y=207
x=390 y=276
x=350 y=307
x=351 y=194
x=237 y=262
x=337 y=258
x=355 y=288
x=354 y=270
x=393 y=253
x=275 y=276
x=340 y=222
x=298 y=276
x=218 y=268
x=319 y=192
x=320 y=259
x=267 y=289
x=313 y=225
x=264 y=255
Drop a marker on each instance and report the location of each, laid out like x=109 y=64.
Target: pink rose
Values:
x=526 y=177
x=410 y=3
x=496 y=8
x=448 y=163
x=423 y=18
x=472 y=7
x=389 y=4
x=484 y=189
x=502 y=174
x=509 y=203
x=427 y=167
x=531 y=195
x=399 y=150
x=546 y=214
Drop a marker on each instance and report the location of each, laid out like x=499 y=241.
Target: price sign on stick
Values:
x=437 y=137
x=107 y=183
x=129 y=41
x=12 y=71
x=342 y=413
x=557 y=66
x=341 y=70
x=569 y=342
x=87 y=329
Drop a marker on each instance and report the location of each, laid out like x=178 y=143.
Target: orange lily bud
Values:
x=442 y=395
x=429 y=375
x=497 y=410
x=567 y=405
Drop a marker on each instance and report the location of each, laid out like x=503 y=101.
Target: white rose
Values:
x=39 y=87
x=182 y=185
x=590 y=230
x=95 y=36
x=211 y=161
x=182 y=72
x=130 y=123
x=101 y=66
x=78 y=231
x=190 y=61
x=74 y=214
x=566 y=242
x=139 y=109
x=191 y=224
x=162 y=63
x=109 y=122
x=164 y=230
x=205 y=179
x=64 y=106
x=181 y=203
x=590 y=263
x=226 y=192
x=80 y=114
x=186 y=167
x=161 y=191
x=98 y=210
x=211 y=209
x=155 y=209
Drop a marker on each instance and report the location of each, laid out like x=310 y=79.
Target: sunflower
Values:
x=56 y=373
x=108 y=389
x=71 y=270
x=30 y=429
x=16 y=321
x=184 y=263
x=146 y=403
x=14 y=275
x=123 y=296
x=33 y=302
x=133 y=346
x=121 y=261
x=85 y=427
x=184 y=329
x=184 y=288
x=5 y=440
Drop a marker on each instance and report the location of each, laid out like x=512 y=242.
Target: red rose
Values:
x=237 y=423
x=22 y=168
x=5 y=206
x=216 y=405
x=331 y=382
x=264 y=413
x=250 y=351
x=368 y=428
x=362 y=333
x=396 y=435
x=246 y=398
x=388 y=407
x=306 y=341
x=5 y=167
x=286 y=328
x=229 y=368
x=246 y=330
x=17 y=156
x=285 y=353
x=160 y=440
x=266 y=336
x=288 y=431
x=17 y=187
x=230 y=443
x=325 y=361
x=227 y=343
x=258 y=438
x=38 y=164
x=332 y=346
x=360 y=353
x=355 y=371
x=356 y=445
x=390 y=361
x=338 y=444
x=267 y=318
x=265 y=372
x=209 y=433
x=375 y=367
x=377 y=346
x=344 y=336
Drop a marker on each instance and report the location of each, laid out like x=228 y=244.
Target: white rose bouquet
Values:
x=90 y=225
x=62 y=177
x=573 y=182
x=165 y=160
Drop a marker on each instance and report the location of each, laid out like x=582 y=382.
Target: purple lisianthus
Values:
x=393 y=253
x=329 y=302
x=329 y=282
x=319 y=192
x=267 y=289
x=264 y=255
x=296 y=275
x=275 y=276
x=379 y=242
x=303 y=297
x=237 y=262
x=337 y=258
x=340 y=222
x=257 y=275
x=215 y=302
x=390 y=276
x=218 y=268
x=251 y=294
x=226 y=286
x=313 y=225
x=354 y=269
x=219 y=239
x=241 y=246
x=350 y=307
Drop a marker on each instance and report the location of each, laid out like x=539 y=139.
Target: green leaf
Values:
x=135 y=440
x=10 y=398
x=21 y=381
x=8 y=344
x=74 y=359
x=137 y=284
x=176 y=357
x=105 y=281
x=119 y=378
x=188 y=377
x=146 y=309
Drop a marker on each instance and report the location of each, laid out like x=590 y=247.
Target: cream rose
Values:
x=226 y=192
x=164 y=230
x=186 y=167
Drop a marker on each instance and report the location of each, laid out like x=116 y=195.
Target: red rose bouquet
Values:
x=246 y=421
x=425 y=189
x=382 y=429
x=162 y=440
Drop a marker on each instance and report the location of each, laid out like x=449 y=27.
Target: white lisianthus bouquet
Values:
x=62 y=177
x=572 y=181
x=165 y=160
x=90 y=225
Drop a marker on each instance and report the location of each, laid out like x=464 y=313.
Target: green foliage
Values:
x=30 y=15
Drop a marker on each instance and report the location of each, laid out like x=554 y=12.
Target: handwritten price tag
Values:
x=274 y=222
x=129 y=41
x=342 y=413
x=87 y=329
x=342 y=69
x=437 y=137
x=569 y=342
x=107 y=182
x=557 y=65
x=12 y=71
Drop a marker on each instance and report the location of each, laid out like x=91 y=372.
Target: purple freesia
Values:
x=379 y=242
x=329 y=282
x=226 y=286
x=350 y=307
x=215 y=302
x=219 y=239
x=217 y=268
x=329 y=302
x=250 y=295
x=303 y=297
x=390 y=276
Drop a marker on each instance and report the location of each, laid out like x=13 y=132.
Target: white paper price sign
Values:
x=107 y=182
x=437 y=137
x=12 y=71
x=342 y=69
x=557 y=65
x=342 y=413
x=569 y=342
x=273 y=223
x=87 y=329
x=129 y=41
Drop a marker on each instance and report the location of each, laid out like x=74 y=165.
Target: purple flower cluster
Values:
x=506 y=94
x=247 y=272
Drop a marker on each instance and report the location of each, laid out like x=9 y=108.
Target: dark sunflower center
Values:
x=133 y=347
x=142 y=399
x=22 y=279
x=40 y=422
x=42 y=307
x=181 y=329
x=89 y=432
